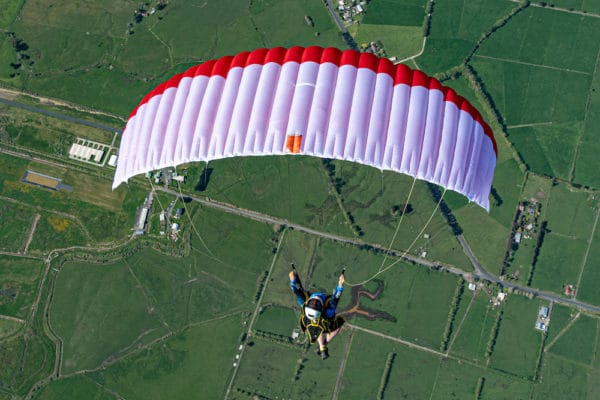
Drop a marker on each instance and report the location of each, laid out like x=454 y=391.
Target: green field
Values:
x=518 y=344
x=90 y=311
x=472 y=340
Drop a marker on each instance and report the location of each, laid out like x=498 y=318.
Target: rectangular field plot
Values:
x=417 y=298
x=559 y=262
x=578 y=342
x=564 y=379
x=518 y=343
x=500 y=386
x=590 y=275
x=411 y=373
x=278 y=320
x=472 y=340
x=548 y=38
x=286 y=371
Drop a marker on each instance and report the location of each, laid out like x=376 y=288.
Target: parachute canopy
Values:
x=315 y=101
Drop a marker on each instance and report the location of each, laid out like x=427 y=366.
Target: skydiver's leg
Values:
x=335 y=327
x=322 y=351
x=332 y=334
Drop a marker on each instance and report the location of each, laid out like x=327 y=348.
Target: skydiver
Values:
x=318 y=313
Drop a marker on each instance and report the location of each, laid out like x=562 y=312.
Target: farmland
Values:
x=88 y=309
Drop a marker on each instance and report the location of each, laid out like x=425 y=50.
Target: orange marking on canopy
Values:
x=292 y=143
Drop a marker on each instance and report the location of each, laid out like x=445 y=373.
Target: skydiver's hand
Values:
x=341 y=281
x=293 y=276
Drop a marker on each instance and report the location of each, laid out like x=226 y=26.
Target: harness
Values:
x=315 y=328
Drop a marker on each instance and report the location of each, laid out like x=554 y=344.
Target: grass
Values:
x=75 y=387
x=15 y=224
x=19 y=284
x=98 y=311
x=103 y=66
x=536 y=51
x=562 y=379
x=518 y=343
x=561 y=316
x=194 y=361
x=588 y=290
x=57 y=231
x=389 y=12
x=453 y=34
x=294 y=188
x=455 y=380
x=472 y=340
x=278 y=376
x=102 y=223
x=9 y=328
x=26 y=359
x=419 y=299
x=398 y=41
x=579 y=341
x=571 y=212
x=559 y=262
x=544 y=37
x=498 y=385
x=297 y=248
x=278 y=320
x=589 y=146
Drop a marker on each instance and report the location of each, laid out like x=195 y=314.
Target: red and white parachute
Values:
x=313 y=101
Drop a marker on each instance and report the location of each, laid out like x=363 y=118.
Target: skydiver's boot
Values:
x=323 y=352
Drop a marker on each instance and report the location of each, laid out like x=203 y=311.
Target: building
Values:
x=540 y=326
x=141 y=221
x=112 y=161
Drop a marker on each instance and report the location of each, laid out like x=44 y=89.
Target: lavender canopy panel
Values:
x=315 y=101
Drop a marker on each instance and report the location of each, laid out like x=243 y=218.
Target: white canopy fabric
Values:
x=322 y=102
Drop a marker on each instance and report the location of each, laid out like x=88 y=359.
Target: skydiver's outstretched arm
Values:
x=296 y=286
x=337 y=292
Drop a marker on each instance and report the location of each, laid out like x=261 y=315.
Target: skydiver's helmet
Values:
x=313 y=307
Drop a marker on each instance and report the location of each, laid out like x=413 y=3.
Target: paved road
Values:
x=335 y=17
x=480 y=272
x=58 y=115
x=483 y=274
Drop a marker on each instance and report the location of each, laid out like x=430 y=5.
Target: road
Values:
x=336 y=17
x=58 y=115
x=479 y=272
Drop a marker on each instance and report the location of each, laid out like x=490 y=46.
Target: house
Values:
x=543 y=313
x=541 y=326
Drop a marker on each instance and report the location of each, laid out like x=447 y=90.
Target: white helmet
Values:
x=313 y=308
